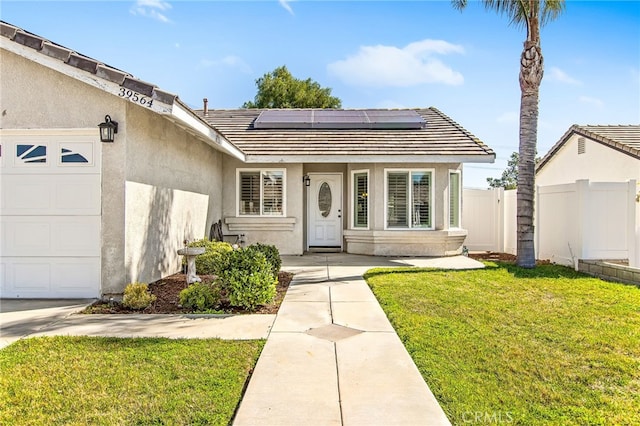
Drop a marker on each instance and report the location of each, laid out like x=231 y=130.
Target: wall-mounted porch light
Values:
x=108 y=129
x=307 y=180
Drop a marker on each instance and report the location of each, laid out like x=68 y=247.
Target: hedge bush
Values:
x=206 y=262
x=200 y=296
x=271 y=253
x=137 y=296
x=247 y=277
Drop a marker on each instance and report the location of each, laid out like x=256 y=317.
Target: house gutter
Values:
x=355 y=158
x=184 y=114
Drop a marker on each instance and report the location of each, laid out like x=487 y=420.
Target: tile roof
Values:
x=442 y=140
x=110 y=80
x=623 y=138
x=82 y=62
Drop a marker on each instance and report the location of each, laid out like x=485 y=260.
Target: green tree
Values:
x=532 y=15
x=509 y=178
x=279 y=89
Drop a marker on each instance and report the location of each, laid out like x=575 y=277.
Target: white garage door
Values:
x=50 y=214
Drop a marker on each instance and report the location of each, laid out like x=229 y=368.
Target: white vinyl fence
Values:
x=581 y=220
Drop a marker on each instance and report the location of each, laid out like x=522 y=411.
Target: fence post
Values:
x=633 y=220
x=583 y=221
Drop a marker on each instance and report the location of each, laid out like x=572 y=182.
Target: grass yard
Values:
x=111 y=381
x=509 y=345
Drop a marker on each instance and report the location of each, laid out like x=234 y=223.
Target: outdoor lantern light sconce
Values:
x=108 y=129
x=307 y=180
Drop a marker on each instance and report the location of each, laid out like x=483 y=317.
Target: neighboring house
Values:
x=597 y=153
x=81 y=218
x=587 y=205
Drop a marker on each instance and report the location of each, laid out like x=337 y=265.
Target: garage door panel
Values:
x=50 y=213
x=32 y=276
x=54 y=236
x=50 y=277
x=50 y=195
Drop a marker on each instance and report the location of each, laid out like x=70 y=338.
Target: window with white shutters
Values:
x=261 y=192
x=361 y=199
x=409 y=196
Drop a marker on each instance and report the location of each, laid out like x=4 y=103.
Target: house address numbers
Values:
x=135 y=97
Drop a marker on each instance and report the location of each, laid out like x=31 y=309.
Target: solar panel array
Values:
x=338 y=119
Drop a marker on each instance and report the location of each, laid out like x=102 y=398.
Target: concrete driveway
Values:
x=22 y=317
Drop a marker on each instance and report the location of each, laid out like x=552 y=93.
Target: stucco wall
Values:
x=286 y=233
x=170 y=180
x=173 y=193
x=35 y=97
x=599 y=163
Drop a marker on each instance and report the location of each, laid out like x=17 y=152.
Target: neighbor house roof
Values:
x=622 y=138
x=110 y=80
x=440 y=140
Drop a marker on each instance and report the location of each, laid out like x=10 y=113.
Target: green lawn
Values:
x=110 y=381
x=505 y=344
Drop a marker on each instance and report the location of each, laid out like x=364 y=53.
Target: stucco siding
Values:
x=598 y=163
x=35 y=97
x=173 y=188
x=160 y=185
x=286 y=233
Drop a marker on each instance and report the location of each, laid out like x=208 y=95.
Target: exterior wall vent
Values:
x=581 y=146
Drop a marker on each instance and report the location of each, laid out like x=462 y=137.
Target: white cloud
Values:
x=285 y=4
x=151 y=9
x=591 y=101
x=392 y=66
x=229 y=61
x=508 y=117
x=558 y=75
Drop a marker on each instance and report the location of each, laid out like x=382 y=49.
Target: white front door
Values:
x=324 y=210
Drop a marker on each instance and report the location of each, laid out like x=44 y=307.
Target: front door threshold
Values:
x=323 y=249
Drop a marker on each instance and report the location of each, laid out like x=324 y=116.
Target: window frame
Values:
x=261 y=172
x=353 y=199
x=410 y=172
x=459 y=212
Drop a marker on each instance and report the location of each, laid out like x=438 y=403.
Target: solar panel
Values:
x=338 y=119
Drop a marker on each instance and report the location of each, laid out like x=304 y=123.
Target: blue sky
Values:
x=373 y=54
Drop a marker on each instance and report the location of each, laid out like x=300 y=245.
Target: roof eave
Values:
x=112 y=81
x=371 y=158
x=187 y=116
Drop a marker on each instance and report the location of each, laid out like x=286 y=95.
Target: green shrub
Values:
x=247 y=277
x=271 y=253
x=206 y=262
x=200 y=296
x=137 y=296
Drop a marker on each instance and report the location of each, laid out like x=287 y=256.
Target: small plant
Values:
x=271 y=253
x=247 y=277
x=206 y=262
x=200 y=296
x=137 y=296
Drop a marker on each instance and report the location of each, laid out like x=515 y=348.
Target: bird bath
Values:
x=191 y=253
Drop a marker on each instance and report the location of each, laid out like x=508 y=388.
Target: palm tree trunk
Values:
x=531 y=70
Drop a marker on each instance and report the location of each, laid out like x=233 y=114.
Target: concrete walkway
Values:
x=333 y=358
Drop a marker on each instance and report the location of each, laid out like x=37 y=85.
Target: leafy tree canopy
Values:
x=279 y=89
x=509 y=178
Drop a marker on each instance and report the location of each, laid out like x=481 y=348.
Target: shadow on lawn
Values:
x=540 y=271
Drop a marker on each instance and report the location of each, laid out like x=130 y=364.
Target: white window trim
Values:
x=431 y=197
x=353 y=203
x=459 y=173
x=261 y=171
